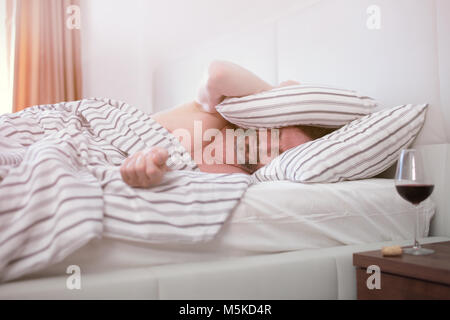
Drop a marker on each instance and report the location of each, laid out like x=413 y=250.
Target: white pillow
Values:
x=362 y=149
x=297 y=105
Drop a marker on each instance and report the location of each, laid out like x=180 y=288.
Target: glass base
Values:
x=418 y=251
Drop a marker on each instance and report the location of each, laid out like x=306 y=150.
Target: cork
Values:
x=391 y=251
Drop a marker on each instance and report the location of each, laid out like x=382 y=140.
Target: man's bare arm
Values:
x=226 y=79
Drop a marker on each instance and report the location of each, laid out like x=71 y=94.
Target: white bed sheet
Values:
x=273 y=217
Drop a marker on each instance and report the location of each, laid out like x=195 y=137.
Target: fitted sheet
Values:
x=273 y=217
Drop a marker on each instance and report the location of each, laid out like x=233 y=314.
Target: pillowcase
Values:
x=362 y=149
x=297 y=105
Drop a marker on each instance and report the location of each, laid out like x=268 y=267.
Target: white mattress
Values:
x=273 y=217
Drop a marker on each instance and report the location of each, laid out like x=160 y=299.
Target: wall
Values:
x=116 y=62
x=123 y=41
x=177 y=81
x=443 y=40
x=396 y=64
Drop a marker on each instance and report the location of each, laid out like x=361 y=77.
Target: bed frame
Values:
x=308 y=274
x=312 y=44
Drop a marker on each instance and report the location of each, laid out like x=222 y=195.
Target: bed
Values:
x=264 y=232
x=286 y=240
x=353 y=212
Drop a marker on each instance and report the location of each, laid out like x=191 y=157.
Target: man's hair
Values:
x=312 y=132
x=315 y=132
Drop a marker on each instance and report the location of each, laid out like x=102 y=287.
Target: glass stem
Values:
x=416 y=229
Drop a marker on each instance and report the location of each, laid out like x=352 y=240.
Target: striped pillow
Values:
x=362 y=149
x=297 y=105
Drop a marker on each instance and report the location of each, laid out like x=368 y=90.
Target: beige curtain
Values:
x=7 y=16
x=47 y=66
x=10 y=30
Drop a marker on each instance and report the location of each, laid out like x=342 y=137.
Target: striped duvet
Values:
x=60 y=184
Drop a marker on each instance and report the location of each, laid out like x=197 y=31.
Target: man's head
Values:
x=265 y=145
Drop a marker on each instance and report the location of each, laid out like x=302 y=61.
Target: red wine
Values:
x=415 y=193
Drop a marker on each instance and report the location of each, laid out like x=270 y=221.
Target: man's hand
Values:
x=208 y=96
x=145 y=168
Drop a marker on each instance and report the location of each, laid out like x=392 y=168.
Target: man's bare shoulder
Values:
x=185 y=115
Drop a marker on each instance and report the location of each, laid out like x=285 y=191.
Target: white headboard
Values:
x=407 y=60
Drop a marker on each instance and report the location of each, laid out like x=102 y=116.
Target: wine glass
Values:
x=414 y=186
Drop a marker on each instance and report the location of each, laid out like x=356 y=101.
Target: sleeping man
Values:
x=224 y=79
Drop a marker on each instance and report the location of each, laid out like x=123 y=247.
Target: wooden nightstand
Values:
x=406 y=276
